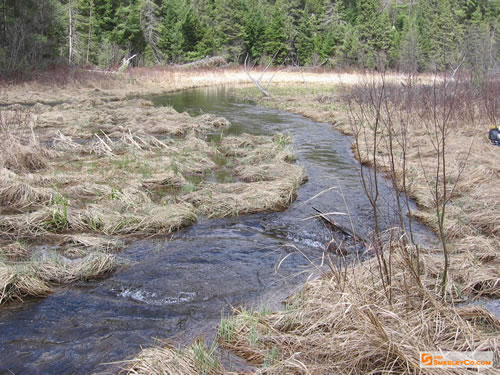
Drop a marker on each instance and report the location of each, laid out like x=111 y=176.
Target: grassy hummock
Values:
x=77 y=177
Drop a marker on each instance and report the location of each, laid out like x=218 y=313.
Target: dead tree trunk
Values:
x=70 y=32
x=257 y=82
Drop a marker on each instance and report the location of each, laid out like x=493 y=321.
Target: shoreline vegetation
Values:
x=88 y=170
x=351 y=320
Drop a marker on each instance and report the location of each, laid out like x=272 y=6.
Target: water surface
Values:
x=178 y=287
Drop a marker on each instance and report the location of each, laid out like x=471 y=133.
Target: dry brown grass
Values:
x=472 y=223
x=36 y=278
x=95 y=165
x=21 y=149
x=57 y=269
x=270 y=177
x=80 y=245
x=19 y=282
x=349 y=325
x=345 y=322
x=118 y=218
x=233 y=199
x=139 y=81
x=165 y=359
x=92 y=118
x=15 y=251
x=252 y=149
x=268 y=172
x=16 y=193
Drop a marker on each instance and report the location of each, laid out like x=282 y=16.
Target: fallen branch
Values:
x=125 y=63
x=336 y=227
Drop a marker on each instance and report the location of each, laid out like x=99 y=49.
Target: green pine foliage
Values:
x=254 y=29
x=305 y=41
x=275 y=37
x=427 y=35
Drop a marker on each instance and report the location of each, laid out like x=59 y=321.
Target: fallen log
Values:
x=338 y=228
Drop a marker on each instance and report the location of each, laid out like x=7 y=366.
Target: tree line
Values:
x=410 y=35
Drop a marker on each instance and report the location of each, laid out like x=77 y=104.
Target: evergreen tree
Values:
x=275 y=37
x=127 y=32
x=171 y=39
x=33 y=31
x=105 y=16
x=304 y=42
x=332 y=28
x=409 y=51
x=478 y=45
x=86 y=28
x=369 y=33
x=445 y=38
x=424 y=21
x=389 y=43
x=350 y=47
x=254 y=29
x=229 y=28
x=192 y=32
x=423 y=35
x=207 y=45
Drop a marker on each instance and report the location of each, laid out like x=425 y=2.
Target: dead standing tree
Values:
x=263 y=90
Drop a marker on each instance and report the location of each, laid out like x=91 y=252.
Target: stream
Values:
x=179 y=287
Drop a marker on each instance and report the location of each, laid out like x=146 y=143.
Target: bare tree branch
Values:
x=257 y=83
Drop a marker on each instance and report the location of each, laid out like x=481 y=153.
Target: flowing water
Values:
x=178 y=287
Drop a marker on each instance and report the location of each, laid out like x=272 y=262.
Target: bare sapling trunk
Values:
x=406 y=114
x=397 y=116
x=365 y=109
x=440 y=117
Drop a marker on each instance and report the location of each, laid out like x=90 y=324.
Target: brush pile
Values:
x=206 y=63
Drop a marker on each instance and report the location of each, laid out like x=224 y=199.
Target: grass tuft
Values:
x=166 y=359
x=36 y=277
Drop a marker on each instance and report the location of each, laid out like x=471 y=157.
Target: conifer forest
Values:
x=405 y=35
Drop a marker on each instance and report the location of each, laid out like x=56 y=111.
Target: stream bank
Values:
x=177 y=287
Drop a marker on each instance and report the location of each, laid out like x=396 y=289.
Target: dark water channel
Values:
x=178 y=288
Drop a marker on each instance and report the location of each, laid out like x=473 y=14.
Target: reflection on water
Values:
x=177 y=288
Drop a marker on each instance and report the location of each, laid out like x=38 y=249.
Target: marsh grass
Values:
x=37 y=276
x=232 y=199
x=196 y=359
x=355 y=328
x=265 y=167
x=80 y=175
x=15 y=251
x=17 y=193
x=472 y=223
x=358 y=323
